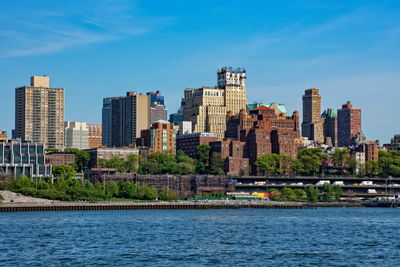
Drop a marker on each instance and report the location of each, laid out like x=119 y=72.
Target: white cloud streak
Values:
x=48 y=31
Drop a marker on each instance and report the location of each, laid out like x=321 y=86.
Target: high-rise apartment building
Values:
x=312 y=125
x=159 y=138
x=207 y=107
x=330 y=127
x=129 y=116
x=106 y=121
x=349 y=124
x=39 y=113
x=76 y=135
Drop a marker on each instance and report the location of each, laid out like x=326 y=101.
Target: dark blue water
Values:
x=246 y=237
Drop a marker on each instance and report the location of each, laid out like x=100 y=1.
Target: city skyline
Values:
x=347 y=50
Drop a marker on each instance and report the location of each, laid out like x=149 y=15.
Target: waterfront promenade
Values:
x=15 y=202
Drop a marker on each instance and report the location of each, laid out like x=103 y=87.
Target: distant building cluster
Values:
x=219 y=116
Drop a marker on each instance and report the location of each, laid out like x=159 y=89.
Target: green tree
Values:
x=217 y=164
x=132 y=163
x=167 y=194
x=329 y=192
x=312 y=193
x=111 y=189
x=300 y=194
x=82 y=158
x=186 y=164
x=372 y=168
x=64 y=171
x=268 y=163
x=289 y=194
x=202 y=156
x=338 y=192
x=147 y=192
x=352 y=166
x=286 y=164
x=116 y=163
x=127 y=190
x=276 y=194
x=311 y=159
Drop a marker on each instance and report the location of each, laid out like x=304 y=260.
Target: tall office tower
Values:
x=312 y=126
x=158 y=109
x=76 y=135
x=156 y=97
x=207 y=107
x=129 y=115
x=349 y=124
x=106 y=121
x=330 y=127
x=176 y=118
x=39 y=113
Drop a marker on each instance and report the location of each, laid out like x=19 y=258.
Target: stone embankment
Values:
x=15 y=202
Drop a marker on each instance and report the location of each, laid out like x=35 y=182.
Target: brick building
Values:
x=159 y=138
x=108 y=153
x=371 y=150
x=349 y=124
x=233 y=152
x=264 y=132
x=60 y=158
x=188 y=142
x=95 y=135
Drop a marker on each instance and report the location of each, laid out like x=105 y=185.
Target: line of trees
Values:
x=75 y=189
x=310 y=162
x=205 y=162
x=311 y=193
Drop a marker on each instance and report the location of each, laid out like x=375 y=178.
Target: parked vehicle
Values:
x=366 y=183
x=322 y=182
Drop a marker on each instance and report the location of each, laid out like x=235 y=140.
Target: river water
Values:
x=244 y=237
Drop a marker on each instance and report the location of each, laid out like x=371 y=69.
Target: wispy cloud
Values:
x=42 y=31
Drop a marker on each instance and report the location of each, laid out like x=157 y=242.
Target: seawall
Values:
x=67 y=206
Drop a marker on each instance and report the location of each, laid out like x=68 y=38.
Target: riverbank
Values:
x=15 y=202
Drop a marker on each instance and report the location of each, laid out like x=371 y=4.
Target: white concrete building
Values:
x=185 y=127
x=76 y=135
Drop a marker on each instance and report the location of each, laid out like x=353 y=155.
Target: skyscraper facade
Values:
x=158 y=110
x=39 y=113
x=207 y=107
x=129 y=115
x=330 y=127
x=312 y=125
x=349 y=124
x=106 y=121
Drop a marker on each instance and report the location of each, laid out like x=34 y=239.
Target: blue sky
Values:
x=95 y=49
